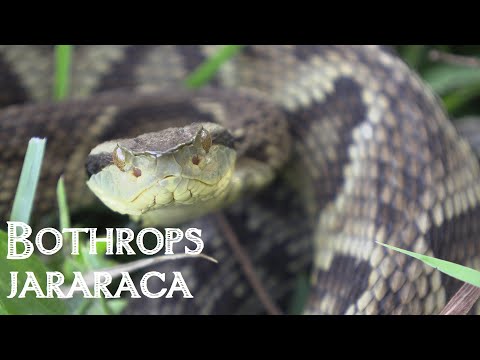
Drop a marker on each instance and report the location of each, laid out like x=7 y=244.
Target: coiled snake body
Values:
x=357 y=150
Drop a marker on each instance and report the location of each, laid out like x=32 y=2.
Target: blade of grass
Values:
x=300 y=295
x=62 y=205
x=27 y=185
x=63 y=58
x=414 y=55
x=107 y=307
x=82 y=308
x=21 y=211
x=207 y=69
x=446 y=78
x=3 y=310
x=455 y=100
x=459 y=272
x=64 y=213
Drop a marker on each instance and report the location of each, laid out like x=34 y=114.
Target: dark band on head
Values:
x=95 y=163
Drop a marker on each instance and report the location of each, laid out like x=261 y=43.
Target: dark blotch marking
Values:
x=192 y=56
x=347 y=95
x=12 y=91
x=346 y=280
x=95 y=163
x=257 y=152
x=223 y=138
x=122 y=73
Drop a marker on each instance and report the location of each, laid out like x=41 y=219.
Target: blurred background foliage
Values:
x=453 y=71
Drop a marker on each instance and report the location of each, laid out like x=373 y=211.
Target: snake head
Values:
x=172 y=173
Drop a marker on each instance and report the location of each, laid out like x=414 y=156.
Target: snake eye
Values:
x=204 y=139
x=119 y=157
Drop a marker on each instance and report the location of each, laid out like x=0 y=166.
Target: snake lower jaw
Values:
x=167 y=202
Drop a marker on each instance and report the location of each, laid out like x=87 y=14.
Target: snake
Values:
x=314 y=154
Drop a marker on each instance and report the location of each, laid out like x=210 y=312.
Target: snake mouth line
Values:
x=143 y=191
x=166 y=177
x=148 y=188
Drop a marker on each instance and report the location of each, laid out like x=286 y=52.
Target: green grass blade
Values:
x=63 y=205
x=64 y=214
x=456 y=100
x=63 y=59
x=207 y=70
x=3 y=309
x=300 y=295
x=446 y=78
x=21 y=211
x=23 y=202
x=459 y=272
x=414 y=55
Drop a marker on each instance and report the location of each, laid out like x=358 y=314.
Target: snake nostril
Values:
x=195 y=160
x=137 y=172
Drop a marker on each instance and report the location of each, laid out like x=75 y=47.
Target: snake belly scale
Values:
x=339 y=147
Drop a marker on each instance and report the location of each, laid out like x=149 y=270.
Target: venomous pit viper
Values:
x=316 y=152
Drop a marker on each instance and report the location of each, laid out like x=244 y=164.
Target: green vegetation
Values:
x=22 y=205
x=63 y=60
x=207 y=70
x=459 y=272
x=456 y=79
x=62 y=204
x=21 y=211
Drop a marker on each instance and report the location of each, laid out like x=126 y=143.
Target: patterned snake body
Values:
x=373 y=158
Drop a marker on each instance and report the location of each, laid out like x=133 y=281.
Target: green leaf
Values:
x=446 y=78
x=107 y=307
x=3 y=310
x=62 y=205
x=30 y=304
x=93 y=262
x=207 y=70
x=455 y=100
x=64 y=214
x=63 y=57
x=117 y=305
x=300 y=295
x=414 y=55
x=459 y=272
x=23 y=202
